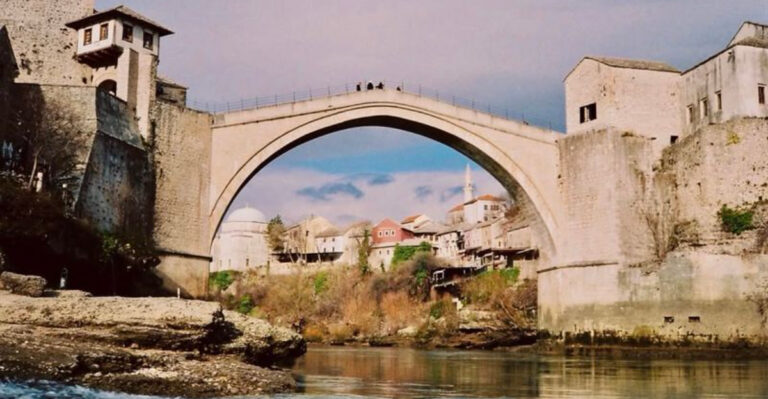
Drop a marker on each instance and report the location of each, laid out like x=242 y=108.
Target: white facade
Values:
x=122 y=47
x=655 y=100
x=727 y=84
x=330 y=242
x=241 y=243
x=639 y=97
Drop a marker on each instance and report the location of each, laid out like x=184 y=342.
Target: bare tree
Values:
x=52 y=139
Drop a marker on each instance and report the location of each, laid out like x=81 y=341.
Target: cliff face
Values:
x=156 y=346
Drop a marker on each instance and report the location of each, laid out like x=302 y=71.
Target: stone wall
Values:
x=116 y=193
x=702 y=283
x=602 y=178
x=691 y=295
x=182 y=151
x=723 y=164
x=44 y=48
x=644 y=102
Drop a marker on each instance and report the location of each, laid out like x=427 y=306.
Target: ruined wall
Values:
x=182 y=151
x=116 y=193
x=43 y=46
x=722 y=164
x=696 y=288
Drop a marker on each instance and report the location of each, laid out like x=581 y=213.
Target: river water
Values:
x=342 y=372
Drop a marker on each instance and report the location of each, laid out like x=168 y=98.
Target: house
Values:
x=388 y=230
x=382 y=253
x=655 y=100
x=122 y=48
x=300 y=244
x=340 y=245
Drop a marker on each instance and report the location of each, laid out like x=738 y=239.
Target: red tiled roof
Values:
x=489 y=197
x=457 y=208
x=410 y=219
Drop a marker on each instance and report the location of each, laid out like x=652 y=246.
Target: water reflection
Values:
x=408 y=373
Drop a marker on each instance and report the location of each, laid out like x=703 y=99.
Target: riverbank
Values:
x=150 y=346
x=396 y=307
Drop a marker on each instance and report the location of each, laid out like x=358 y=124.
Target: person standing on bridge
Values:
x=380 y=86
x=359 y=86
x=369 y=86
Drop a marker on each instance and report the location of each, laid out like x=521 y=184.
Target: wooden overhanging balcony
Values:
x=101 y=57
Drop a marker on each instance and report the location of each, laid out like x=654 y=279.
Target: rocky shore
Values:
x=151 y=346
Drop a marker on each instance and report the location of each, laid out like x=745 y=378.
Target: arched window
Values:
x=109 y=85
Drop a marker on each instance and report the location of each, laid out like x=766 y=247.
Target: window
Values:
x=103 y=31
x=761 y=94
x=719 y=99
x=672 y=139
x=128 y=33
x=704 y=107
x=247 y=262
x=149 y=39
x=88 y=37
x=588 y=113
x=691 y=115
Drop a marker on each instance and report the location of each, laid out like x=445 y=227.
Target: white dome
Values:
x=247 y=214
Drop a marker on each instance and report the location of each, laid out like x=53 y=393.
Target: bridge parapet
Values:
x=393 y=97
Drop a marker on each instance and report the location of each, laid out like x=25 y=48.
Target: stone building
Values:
x=655 y=100
x=390 y=231
x=241 y=242
x=300 y=240
x=122 y=47
x=475 y=209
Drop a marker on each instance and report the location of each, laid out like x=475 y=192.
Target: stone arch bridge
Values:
x=522 y=157
x=202 y=161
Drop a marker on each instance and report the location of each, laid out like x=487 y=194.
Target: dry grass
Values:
x=338 y=305
x=399 y=311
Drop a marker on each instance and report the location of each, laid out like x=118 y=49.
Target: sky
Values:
x=509 y=54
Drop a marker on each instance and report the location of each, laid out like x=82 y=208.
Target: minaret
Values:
x=469 y=194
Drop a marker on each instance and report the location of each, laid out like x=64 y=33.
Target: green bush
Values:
x=403 y=254
x=222 y=280
x=244 y=304
x=437 y=310
x=510 y=274
x=321 y=282
x=737 y=220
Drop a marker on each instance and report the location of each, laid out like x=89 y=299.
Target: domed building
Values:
x=241 y=242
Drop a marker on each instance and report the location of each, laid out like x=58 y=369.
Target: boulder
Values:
x=67 y=294
x=20 y=284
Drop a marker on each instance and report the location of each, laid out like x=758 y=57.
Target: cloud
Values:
x=450 y=192
x=422 y=192
x=380 y=179
x=455 y=46
x=276 y=191
x=323 y=193
x=372 y=179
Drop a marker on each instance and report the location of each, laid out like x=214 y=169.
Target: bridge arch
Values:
x=522 y=158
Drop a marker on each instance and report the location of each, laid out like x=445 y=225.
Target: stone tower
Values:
x=469 y=189
x=122 y=48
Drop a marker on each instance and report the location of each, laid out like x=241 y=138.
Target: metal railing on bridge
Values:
x=347 y=88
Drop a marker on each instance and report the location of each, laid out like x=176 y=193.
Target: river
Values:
x=345 y=372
